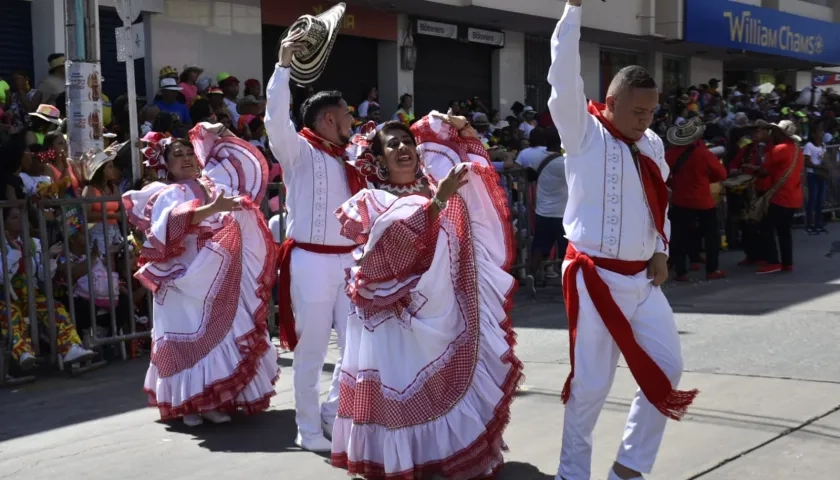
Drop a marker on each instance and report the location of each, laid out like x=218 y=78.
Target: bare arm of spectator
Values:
x=567 y=103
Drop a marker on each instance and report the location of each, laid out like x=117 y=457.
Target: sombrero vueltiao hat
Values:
x=786 y=127
x=318 y=34
x=686 y=133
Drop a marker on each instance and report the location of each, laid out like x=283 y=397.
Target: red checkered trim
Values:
x=365 y=403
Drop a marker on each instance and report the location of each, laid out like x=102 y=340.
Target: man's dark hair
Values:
x=552 y=139
x=200 y=111
x=537 y=137
x=314 y=105
x=629 y=78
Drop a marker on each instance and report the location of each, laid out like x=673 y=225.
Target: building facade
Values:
x=443 y=50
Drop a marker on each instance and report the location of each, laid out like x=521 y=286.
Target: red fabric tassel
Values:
x=650 y=378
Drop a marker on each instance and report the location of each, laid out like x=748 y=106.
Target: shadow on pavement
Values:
x=743 y=293
x=272 y=431
x=522 y=471
x=58 y=400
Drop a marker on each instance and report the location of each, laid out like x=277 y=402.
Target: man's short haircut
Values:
x=552 y=139
x=537 y=137
x=314 y=105
x=629 y=78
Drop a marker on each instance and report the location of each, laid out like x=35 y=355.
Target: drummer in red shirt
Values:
x=784 y=165
x=693 y=169
x=748 y=160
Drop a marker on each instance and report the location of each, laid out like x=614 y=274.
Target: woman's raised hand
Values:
x=226 y=204
x=453 y=181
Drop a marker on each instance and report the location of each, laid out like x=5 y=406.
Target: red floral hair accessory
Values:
x=358 y=151
x=154 y=150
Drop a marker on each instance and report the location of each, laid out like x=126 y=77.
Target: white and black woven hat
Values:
x=318 y=34
x=686 y=133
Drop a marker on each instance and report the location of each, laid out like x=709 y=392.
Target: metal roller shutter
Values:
x=449 y=70
x=113 y=71
x=16 y=39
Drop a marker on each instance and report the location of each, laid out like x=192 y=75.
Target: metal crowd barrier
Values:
x=273 y=205
x=49 y=217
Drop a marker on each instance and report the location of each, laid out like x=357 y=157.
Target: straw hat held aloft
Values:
x=316 y=36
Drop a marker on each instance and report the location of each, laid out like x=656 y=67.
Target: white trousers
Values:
x=320 y=304
x=596 y=358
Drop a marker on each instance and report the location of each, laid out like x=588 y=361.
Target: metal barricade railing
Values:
x=273 y=208
x=42 y=299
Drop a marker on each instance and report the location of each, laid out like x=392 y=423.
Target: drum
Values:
x=738 y=183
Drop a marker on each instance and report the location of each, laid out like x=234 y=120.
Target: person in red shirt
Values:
x=748 y=160
x=784 y=165
x=693 y=169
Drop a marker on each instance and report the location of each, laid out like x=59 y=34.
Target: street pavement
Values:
x=763 y=350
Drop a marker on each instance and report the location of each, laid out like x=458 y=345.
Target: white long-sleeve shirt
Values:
x=316 y=183
x=607 y=213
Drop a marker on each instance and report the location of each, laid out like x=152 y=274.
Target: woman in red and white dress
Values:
x=429 y=372
x=209 y=259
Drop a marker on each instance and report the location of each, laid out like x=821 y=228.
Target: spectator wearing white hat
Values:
x=168 y=101
x=529 y=121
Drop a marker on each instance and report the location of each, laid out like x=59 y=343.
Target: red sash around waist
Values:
x=651 y=379
x=286 y=318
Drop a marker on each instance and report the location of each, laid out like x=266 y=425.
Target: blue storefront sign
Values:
x=729 y=24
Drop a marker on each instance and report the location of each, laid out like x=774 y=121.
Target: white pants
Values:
x=596 y=357
x=320 y=304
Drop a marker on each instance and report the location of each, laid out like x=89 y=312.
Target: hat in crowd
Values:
x=317 y=34
x=245 y=101
x=252 y=82
x=47 y=113
x=195 y=68
x=169 y=84
x=215 y=91
x=93 y=161
x=528 y=109
x=686 y=133
x=714 y=81
x=225 y=78
x=168 y=72
x=204 y=84
x=785 y=127
x=56 y=62
x=480 y=120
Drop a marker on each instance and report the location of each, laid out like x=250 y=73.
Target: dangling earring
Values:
x=382 y=172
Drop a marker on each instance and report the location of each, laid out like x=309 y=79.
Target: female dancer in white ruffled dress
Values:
x=209 y=259
x=429 y=371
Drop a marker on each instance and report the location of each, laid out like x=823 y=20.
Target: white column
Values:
x=590 y=70
x=48 y=23
x=508 y=85
x=393 y=80
x=654 y=66
x=700 y=70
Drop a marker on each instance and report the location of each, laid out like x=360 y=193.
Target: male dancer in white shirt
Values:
x=618 y=230
x=315 y=255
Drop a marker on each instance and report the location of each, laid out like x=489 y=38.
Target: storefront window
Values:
x=673 y=74
x=611 y=62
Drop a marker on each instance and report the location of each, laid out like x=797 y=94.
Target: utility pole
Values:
x=128 y=12
x=84 y=81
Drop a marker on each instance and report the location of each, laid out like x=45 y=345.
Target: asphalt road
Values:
x=763 y=350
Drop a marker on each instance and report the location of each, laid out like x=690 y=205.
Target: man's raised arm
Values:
x=282 y=136
x=568 y=102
